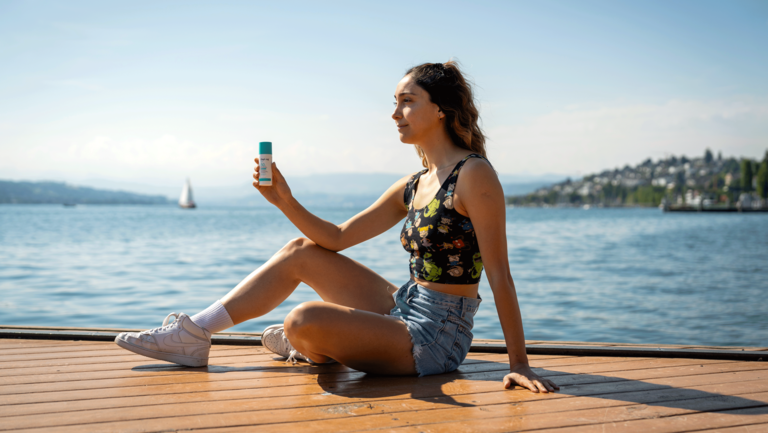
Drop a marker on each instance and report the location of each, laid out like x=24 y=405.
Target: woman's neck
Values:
x=442 y=156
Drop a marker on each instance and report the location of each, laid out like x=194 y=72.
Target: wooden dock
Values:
x=90 y=385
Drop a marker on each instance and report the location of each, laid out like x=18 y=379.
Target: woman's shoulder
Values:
x=478 y=178
x=478 y=168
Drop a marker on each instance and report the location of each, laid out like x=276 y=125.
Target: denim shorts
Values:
x=440 y=326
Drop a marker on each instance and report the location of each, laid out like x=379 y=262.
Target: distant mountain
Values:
x=64 y=193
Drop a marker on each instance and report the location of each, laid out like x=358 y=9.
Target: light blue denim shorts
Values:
x=440 y=326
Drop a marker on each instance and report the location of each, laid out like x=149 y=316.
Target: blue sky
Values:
x=159 y=91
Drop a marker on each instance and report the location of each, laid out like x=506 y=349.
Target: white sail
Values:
x=186 y=199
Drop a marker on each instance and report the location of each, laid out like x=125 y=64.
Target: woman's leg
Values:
x=336 y=278
x=362 y=340
x=350 y=327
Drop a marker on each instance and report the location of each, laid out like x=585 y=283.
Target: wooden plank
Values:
x=251 y=368
x=129 y=369
x=73 y=353
x=72 y=350
x=569 y=366
x=528 y=413
x=263 y=368
x=521 y=417
x=697 y=421
x=119 y=356
x=257 y=389
x=408 y=404
x=14 y=343
x=740 y=355
x=383 y=388
x=256 y=380
x=750 y=428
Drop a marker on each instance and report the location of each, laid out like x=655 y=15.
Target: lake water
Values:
x=621 y=275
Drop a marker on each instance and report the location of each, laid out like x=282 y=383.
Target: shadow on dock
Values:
x=342 y=382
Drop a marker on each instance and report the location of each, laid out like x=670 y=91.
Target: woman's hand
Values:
x=521 y=374
x=278 y=193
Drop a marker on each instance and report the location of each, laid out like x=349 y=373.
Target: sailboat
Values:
x=186 y=201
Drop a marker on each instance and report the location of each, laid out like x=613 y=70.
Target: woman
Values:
x=455 y=226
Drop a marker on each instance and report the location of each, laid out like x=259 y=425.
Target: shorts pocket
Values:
x=427 y=309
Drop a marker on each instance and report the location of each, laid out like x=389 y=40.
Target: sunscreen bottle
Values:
x=265 y=163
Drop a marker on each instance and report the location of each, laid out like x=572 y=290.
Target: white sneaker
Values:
x=274 y=339
x=182 y=342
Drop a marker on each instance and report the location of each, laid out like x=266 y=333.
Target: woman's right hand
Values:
x=279 y=192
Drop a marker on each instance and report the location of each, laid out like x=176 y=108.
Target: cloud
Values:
x=588 y=140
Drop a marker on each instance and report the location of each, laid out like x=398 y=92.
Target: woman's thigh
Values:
x=362 y=340
x=342 y=280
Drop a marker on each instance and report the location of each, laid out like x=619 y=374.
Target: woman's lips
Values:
x=401 y=126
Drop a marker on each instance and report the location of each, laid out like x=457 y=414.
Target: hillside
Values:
x=63 y=193
x=680 y=181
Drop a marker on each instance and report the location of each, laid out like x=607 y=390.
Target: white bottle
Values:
x=265 y=163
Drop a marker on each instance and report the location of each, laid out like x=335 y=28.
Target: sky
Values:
x=154 y=92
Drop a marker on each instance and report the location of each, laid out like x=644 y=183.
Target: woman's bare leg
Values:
x=365 y=341
x=350 y=327
x=336 y=278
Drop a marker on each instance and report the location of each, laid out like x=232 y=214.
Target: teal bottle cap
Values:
x=265 y=147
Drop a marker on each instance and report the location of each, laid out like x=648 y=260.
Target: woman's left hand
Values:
x=521 y=374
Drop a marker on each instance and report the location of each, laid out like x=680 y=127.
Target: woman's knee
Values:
x=296 y=247
x=304 y=319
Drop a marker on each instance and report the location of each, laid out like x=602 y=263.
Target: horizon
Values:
x=106 y=91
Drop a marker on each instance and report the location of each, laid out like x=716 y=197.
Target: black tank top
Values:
x=441 y=241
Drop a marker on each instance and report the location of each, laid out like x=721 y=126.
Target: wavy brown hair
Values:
x=450 y=91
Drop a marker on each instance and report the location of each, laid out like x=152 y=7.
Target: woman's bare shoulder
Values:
x=477 y=178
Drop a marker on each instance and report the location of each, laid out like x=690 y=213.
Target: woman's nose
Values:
x=396 y=114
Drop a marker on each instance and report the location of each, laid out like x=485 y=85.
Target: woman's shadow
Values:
x=474 y=378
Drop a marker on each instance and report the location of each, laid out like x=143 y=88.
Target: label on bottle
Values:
x=265 y=169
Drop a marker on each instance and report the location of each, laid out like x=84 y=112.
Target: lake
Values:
x=613 y=275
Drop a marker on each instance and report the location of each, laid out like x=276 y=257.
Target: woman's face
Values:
x=417 y=118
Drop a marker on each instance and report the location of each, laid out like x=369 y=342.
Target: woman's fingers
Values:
x=507 y=382
x=537 y=384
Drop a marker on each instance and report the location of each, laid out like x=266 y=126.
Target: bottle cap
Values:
x=265 y=147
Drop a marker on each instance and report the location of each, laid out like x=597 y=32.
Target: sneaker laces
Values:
x=285 y=346
x=292 y=356
x=166 y=326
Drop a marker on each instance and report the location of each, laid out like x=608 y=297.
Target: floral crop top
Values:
x=441 y=241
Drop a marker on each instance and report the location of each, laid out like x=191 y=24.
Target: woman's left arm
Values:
x=481 y=197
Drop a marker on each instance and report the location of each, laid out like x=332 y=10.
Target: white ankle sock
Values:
x=214 y=318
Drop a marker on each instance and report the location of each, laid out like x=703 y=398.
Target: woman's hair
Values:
x=448 y=88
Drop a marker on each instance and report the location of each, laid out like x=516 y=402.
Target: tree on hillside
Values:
x=762 y=178
x=708 y=156
x=746 y=175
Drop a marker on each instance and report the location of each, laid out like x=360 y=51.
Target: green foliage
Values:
x=762 y=178
x=708 y=156
x=648 y=195
x=746 y=175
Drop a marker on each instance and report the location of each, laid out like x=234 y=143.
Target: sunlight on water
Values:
x=625 y=275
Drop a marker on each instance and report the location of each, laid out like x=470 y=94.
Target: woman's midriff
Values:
x=465 y=290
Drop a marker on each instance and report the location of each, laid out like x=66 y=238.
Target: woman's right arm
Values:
x=376 y=219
